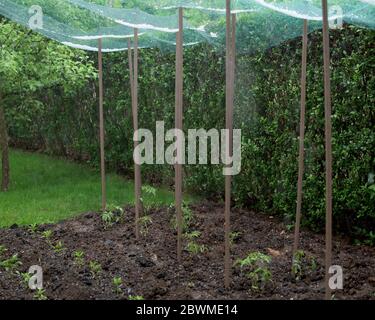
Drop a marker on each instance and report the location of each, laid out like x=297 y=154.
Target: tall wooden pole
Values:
x=328 y=145
x=101 y=126
x=133 y=72
x=230 y=73
x=138 y=181
x=130 y=60
x=179 y=125
x=301 y=158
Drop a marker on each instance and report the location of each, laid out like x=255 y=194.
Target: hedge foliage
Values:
x=267 y=110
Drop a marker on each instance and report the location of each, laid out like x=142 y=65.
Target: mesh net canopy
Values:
x=261 y=23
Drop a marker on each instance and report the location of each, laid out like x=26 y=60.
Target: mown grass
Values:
x=46 y=189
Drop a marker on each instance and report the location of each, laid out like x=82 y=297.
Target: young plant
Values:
x=11 y=264
x=195 y=248
x=233 y=237
x=117 y=283
x=187 y=218
x=151 y=191
x=3 y=249
x=145 y=222
x=33 y=228
x=256 y=264
x=303 y=264
x=47 y=235
x=136 y=298
x=192 y=235
x=187 y=215
x=192 y=246
x=314 y=264
x=40 y=294
x=259 y=277
x=111 y=216
x=58 y=247
x=25 y=277
x=95 y=268
x=79 y=258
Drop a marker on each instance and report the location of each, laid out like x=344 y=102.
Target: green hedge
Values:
x=267 y=109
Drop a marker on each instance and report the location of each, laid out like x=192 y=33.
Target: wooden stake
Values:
x=230 y=75
x=101 y=126
x=138 y=179
x=179 y=125
x=328 y=146
x=130 y=59
x=133 y=72
x=301 y=158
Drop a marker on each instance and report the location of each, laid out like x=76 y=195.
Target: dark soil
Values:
x=149 y=268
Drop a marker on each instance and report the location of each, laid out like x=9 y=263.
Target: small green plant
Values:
x=111 y=216
x=47 y=235
x=259 y=277
x=33 y=228
x=11 y=264
x=256 y=264
x=58 y=247
x=254 y=258
x=3 y=249
x=234 y=236
x=297 y=264
x=187 y=217
x=79 y=258
x=145 y=222
x=192 y=235
x=303 y=264
x=40 y=294
x=289 y=227
x=26 y=276
x=95 y=268
x=195 y=248
x=117 y=283
x=149 y=190
x=192 y=246
x=314 y=264
x=136 y=298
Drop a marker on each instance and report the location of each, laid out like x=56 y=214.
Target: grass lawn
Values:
x=46 y=189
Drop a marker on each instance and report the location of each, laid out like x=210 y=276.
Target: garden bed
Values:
x=149 y=268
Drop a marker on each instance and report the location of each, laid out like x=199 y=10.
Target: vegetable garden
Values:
x=295 y=78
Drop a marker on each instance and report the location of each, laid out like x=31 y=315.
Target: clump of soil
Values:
x=149 y=268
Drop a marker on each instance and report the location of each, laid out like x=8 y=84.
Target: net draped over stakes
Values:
x=169 y=25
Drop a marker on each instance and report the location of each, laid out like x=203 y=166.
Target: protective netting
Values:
x=78 y=27
x=262 y=23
